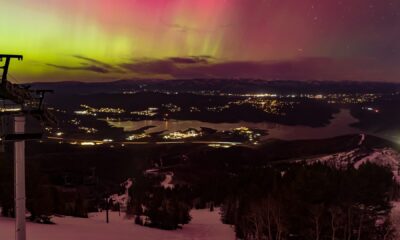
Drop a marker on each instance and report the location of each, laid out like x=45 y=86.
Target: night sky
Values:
x=103 y=40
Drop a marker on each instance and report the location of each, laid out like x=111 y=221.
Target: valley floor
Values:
x=204 y=225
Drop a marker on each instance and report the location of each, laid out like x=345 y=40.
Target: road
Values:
x=74 y=140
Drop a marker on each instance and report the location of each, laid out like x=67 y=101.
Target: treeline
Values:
x=155 y=206
x=311 y=202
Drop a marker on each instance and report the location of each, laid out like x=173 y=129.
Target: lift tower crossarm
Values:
x=7 y=64
x=41 y=94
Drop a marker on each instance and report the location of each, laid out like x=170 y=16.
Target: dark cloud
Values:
x=190 y=60
x=207 y=67
x=110 y=67
x=90 y=64
x=94 y=61
x=91 y=68
x=169 y=66
x=173 y=66
x=166 y=67
x=299 y=69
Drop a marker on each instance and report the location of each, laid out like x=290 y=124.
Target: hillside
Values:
x=381 y=156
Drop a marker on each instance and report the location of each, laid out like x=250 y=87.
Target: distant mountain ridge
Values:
x=222 y=85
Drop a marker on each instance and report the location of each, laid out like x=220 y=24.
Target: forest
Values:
x=264 y=193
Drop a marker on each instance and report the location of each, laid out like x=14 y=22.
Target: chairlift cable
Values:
x=14 y=78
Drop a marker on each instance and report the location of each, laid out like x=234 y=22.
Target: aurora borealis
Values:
x=103 y=40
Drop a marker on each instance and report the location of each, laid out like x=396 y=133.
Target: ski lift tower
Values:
x=18 y=104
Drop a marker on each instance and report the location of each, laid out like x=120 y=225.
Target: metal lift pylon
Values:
x=13 y=129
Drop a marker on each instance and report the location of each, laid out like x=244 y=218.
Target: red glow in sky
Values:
x=270 y=39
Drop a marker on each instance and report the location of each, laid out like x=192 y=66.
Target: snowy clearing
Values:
x=204 y=225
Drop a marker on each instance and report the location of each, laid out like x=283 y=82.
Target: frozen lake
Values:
x=339 y=125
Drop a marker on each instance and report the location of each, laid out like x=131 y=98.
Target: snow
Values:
x=338 y=160
x=385 y=157
x=395 y=218
x=128 y=184
x=119 y=199
x=167 y=181
x=123 y=199
x=356 y=157
x=152 y=170
x=362 y=139
x=204 y=225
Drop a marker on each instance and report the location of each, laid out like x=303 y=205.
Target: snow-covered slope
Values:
x=204 y=225
x=359 y=155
